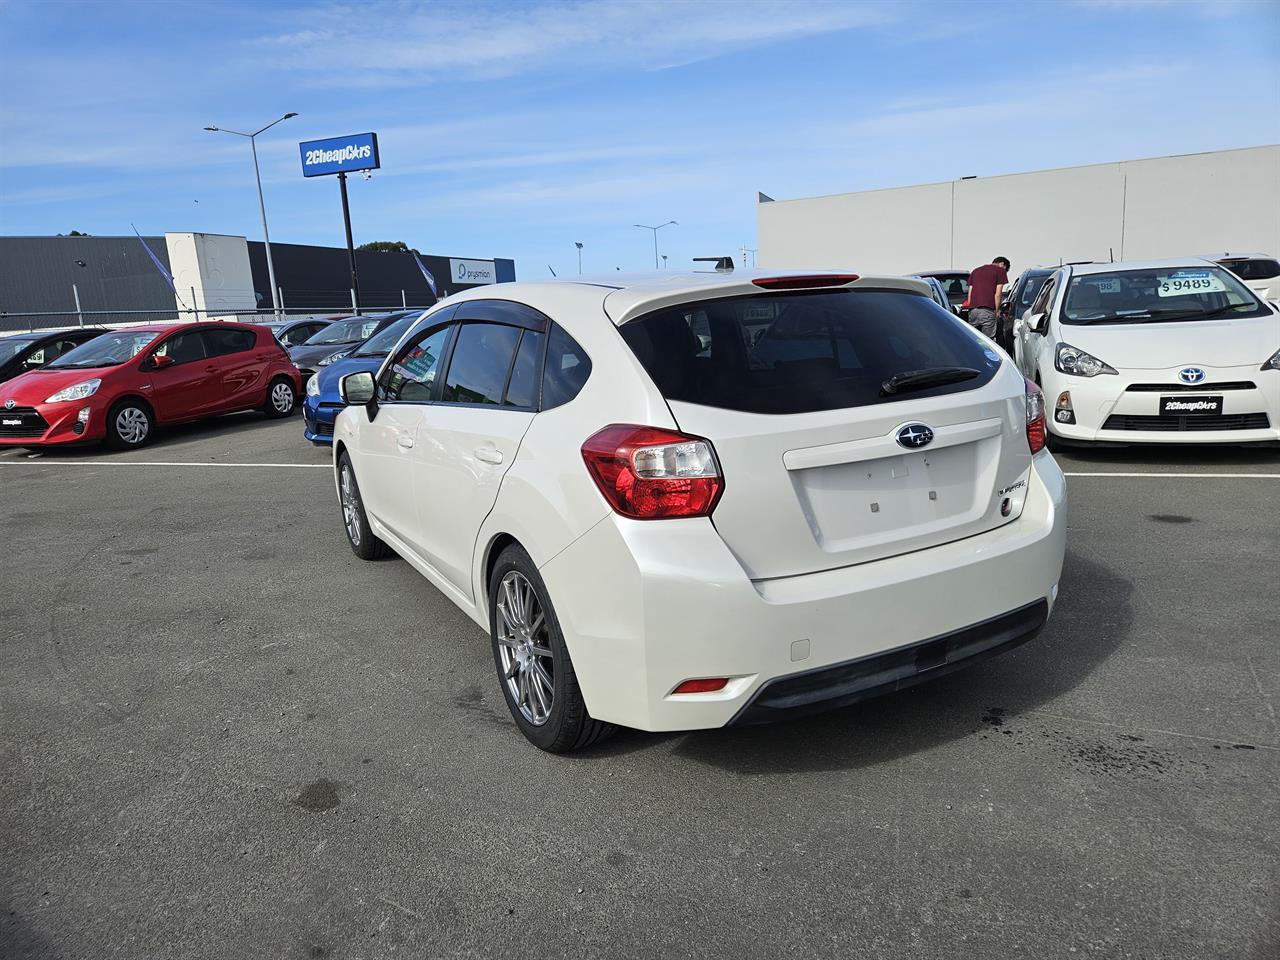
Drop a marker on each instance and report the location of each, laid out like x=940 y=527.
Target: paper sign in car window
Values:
x=1182 y=283
x=1111 y=285
x=367 y=329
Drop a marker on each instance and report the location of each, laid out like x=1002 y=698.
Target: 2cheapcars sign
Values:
x=473 y=271
x=357 y=151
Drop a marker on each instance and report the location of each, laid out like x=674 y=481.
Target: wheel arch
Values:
x=136 y=398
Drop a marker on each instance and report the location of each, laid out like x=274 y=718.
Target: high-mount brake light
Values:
x=1037 y=426
x=648 y=473
x=805 y=282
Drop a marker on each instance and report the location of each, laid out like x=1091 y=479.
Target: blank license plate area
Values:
x=867 y=503
x=1181 y=406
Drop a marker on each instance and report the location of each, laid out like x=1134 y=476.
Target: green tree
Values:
x=385 y=246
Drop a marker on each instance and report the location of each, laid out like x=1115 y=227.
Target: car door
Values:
x=389 y=437
x=469 y=437
x=240 y=366
x=190 y=385
x=1029 y=342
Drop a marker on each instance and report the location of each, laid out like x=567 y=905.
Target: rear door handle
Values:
x=404 y=440
x=488 y=454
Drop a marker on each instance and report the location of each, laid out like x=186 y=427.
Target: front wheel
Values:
x=129 y=424
x=359 y=534
x=281 y=398
x=534 y=669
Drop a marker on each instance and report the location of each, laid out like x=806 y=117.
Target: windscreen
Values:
x=11 y=348
x=796 y=353
x=108 y=350
x=1158 y=294
x=382 y=342
x=344 y=331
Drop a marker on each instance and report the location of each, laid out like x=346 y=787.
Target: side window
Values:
x=220 y=342
x=566 y=370
x=1045 y=298
x=411 y=376
x=522 y=390
x=480 y=363
x=183 y=347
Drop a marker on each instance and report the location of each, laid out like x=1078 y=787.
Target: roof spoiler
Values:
x=723 y=264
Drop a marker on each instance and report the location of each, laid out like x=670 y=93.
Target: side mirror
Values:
x=1035 y=322
x=161 y=360
x=356 y=389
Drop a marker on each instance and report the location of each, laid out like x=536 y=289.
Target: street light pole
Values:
x=669 y=223
x=579 y=246
x=262 y=206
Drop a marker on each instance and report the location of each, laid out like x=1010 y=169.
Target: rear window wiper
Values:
x=923 y=379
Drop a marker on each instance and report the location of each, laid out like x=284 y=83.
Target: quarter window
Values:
x=411 y=376
x=480 y=363
x=566 y=369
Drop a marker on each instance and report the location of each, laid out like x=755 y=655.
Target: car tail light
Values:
x=648 y=473
x=807 y=281
x=1037 y=427
x=703 y=685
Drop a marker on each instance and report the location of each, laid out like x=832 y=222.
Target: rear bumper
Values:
x=1108 y=408
x=645 y=606
x=847 y=683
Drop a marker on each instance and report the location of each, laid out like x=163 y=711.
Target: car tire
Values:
x=355 y=521
x=130 y=423
x=532 y=660
x=282 y=399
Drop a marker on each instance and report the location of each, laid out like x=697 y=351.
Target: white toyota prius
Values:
x=695 y=500
x=1153 y=352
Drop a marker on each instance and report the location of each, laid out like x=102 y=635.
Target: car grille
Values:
x=1190 y=421
x=1191 y=387
x=322 y=429
x=22 y=422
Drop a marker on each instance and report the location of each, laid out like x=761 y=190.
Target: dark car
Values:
x=1017 y=300
x=338 y=339
x=298 y=330
x=955 y=283
x=21 y=352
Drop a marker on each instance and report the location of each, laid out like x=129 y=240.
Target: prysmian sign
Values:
x=357 y=151
x=472 y=271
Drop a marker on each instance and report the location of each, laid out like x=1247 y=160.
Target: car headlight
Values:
x=76 y=392
x=313 y=387
x=1273 y=363
x=329 y=359
x=1076 y=362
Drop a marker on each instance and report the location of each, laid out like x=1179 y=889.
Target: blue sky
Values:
x=515 y=129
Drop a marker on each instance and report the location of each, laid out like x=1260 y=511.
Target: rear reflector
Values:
x=648 y=473
x=1037 y=427
x=805 y=282
x=704 y=685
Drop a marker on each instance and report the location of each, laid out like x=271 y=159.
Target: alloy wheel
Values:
x=528 y=664
x=133 y=425
x=350 y=505
x=282 y=397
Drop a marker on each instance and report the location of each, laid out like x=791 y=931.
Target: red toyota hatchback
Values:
x=118 y=387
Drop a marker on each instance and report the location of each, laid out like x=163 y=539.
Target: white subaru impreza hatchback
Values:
x=694 y=500
x=1157 y=351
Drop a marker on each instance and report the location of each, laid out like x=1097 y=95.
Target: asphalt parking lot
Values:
x=225 y=736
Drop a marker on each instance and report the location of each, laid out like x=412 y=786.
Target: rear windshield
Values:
x=1159 y=295
x=1253 y=269
x=800 y=352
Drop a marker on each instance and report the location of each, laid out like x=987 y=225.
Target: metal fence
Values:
x=310 y=305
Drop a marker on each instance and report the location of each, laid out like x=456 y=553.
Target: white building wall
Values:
x=212 y=269
x=1168 y=206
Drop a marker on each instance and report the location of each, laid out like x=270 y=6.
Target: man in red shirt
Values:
x=986 y=284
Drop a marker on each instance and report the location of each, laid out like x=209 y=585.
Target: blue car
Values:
x=322 y=403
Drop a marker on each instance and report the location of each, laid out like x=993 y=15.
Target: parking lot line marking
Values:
x=1198 y=476
x=41 y=462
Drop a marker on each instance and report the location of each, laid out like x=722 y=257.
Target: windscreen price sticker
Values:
x=1189 y=282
